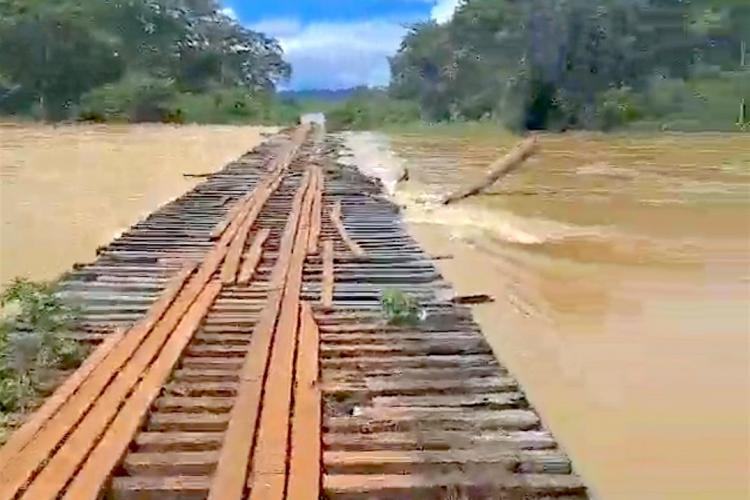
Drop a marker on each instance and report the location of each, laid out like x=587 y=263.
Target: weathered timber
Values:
x=499 y=168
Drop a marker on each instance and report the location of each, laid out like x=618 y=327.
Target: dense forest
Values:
x=559 y=64
x=135 y=60
x=525 y=64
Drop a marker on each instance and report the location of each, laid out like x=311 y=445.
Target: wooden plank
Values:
x=277 y=164
x=179 y=441
x=252 y=257
x=164 y=488
x=439 y=439
x=401 y=387
x=427 y=485
x=304 y=462
x=107 y=453
x=317 y=215
x=405 y=461
x=231 y=214
x=188 y=422
x=21 y=437
x=326 y=296
x=497 y=401
x=424 y=361
x=237 y=245
x=20 y=469
x=402 y=419
x=231 y=471
x=232 y=259
x=170 y=463
x=268 y=471
x=354 y=248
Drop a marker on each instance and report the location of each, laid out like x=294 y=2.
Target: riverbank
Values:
x=68 y=189
x=619 y=268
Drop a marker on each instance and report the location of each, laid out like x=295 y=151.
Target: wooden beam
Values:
x=21 y=437
x=37 y=451
x=305 y=450
x=326 y=294
x=267 y=480
x=317 y=216
x=339 y=224
x=107 y=453
x=499 y=168
x=231 y=471
x=252 y=257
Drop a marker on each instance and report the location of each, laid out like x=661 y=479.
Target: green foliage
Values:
x=235 y=106
x=49 y=50
x=369 y=109
x=697 y=104
x=400 y=308
x=617 y=107
x=140 y=98
x=126 y=59
x=550 y=64
x=137 y=98
x=32 y=341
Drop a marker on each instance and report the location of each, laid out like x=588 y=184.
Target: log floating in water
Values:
x=472 y=299
x=499 y=168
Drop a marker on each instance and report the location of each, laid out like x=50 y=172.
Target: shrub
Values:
x=32 y=341
x=400 y=308
x=235 y=105
x=617 y=107
x=136 y=98
x=371 y=109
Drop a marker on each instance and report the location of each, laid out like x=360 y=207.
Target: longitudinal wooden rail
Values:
x=242 y=354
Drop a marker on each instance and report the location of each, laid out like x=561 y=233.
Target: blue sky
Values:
x=337 y=43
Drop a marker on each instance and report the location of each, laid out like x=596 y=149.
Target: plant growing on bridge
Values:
x=400 y=308
x=33 y=345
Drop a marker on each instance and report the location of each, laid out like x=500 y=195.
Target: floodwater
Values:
x=620 y=266
x=66 y=190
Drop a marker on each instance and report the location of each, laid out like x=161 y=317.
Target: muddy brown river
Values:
x=620 y=266
x=66 y=190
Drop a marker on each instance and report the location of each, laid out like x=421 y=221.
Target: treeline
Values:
x=136 y=60
x=561 y=64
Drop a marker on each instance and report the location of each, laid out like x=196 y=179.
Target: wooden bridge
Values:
x=241 y=352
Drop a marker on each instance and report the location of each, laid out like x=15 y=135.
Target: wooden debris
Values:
x=473 y=299
x=354 y=248
x=499 y=168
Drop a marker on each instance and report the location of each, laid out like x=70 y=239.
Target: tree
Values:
x=48 y=50
x=53 y=52
x=552 y=63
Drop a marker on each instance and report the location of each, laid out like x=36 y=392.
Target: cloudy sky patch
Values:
x=336 y=44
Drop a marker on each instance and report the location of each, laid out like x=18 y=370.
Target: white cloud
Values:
x=229 y=12
x=336 y=54
x=277 y=27
x=443 y=10
x=327 y=54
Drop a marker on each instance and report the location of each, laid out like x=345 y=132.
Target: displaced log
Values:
x=404 y=177
x=472 y=299
x=499 y=168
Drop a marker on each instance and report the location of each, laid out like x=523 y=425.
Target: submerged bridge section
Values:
x=241 y=352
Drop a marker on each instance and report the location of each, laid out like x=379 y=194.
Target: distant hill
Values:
x=326 y=95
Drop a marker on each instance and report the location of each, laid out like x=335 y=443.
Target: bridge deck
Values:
x=243 y=353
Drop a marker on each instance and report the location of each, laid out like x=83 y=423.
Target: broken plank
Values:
x=252 y=257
